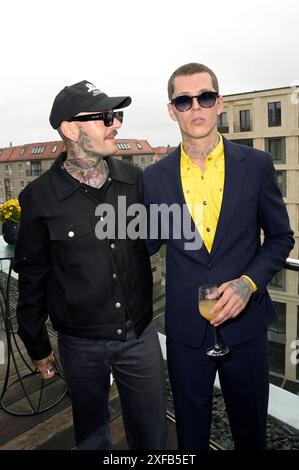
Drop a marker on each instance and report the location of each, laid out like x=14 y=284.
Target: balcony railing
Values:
x=292 y=264
x=223 y=129
x=243 y=127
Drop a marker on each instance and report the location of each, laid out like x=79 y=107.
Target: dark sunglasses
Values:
x=206 y=99
x=106 y=116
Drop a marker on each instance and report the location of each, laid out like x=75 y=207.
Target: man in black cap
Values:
x=97 y=292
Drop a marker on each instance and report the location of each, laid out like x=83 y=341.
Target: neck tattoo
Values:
x=199 y=154
x=86 y=166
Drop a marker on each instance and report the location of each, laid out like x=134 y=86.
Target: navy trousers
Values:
x=137 y=367
x=243 y=376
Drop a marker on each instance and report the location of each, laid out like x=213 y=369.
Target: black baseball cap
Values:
x=83 y=97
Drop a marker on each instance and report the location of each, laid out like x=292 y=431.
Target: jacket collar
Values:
x=64 y=185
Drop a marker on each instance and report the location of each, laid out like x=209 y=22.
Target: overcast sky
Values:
x=129 y=47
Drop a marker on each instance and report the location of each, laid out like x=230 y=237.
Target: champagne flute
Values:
x=208 y=296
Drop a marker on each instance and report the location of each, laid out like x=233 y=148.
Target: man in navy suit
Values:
x=232 y=195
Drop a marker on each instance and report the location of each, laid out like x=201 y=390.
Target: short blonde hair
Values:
x=191 y=69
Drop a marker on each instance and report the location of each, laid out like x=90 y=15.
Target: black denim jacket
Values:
x=87 y=286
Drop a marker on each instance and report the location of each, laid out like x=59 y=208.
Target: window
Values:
x=54 y=148
x=22 y=151
x=276 y=337
x=279 y=324
x=139 y=146
x=22 y=184
x=276 y=357
x=20 y=168
x=277 y=146
x=123 y=146
x=127 y=159
x=223 y=122
x=279 y=281
x=282 y=181
x=274 y=114
x=35 y=169
x=37 y=150
x=245 y=124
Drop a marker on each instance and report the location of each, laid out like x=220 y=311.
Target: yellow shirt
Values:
x=203 y=193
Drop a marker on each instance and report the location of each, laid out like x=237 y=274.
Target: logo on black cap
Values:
x=93 y=89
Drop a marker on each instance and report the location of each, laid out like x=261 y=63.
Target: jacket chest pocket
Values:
x=69 y=230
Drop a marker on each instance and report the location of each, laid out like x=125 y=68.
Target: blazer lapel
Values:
x=172 y=182
x=174 y=189
x=235 y=170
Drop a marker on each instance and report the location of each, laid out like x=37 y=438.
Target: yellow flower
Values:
x=10 y=211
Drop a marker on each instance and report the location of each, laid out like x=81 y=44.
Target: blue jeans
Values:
x=137 y=367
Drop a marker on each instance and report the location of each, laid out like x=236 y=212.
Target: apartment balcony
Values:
x=34 y=172
x=223 y=129
x=243 y=127
x=54 y=427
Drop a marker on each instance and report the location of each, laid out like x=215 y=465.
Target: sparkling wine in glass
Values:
x=208 y=296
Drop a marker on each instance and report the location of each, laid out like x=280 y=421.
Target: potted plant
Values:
x=10 y=213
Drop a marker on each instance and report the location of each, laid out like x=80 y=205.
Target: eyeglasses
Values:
x=106 y=116
x=206 y=99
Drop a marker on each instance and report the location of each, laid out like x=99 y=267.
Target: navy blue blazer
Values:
x=251 y=202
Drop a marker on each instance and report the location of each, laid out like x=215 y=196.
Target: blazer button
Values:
x=118 y=305
x=114 y=275
x=119 y=332
x=209 y=266
x=71 y=234
x=112 y=246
